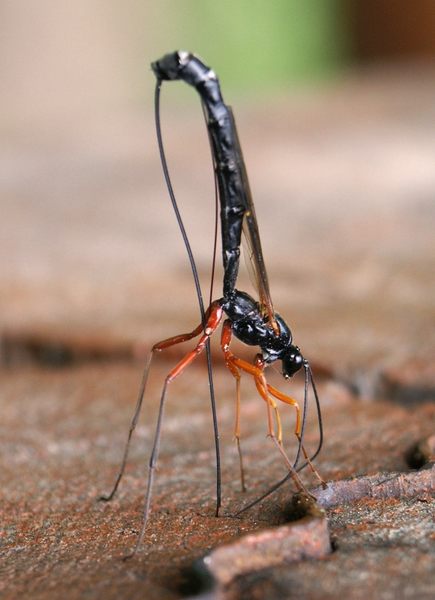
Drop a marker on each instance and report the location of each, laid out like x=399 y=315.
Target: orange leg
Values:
x=233 y=361
x=214 y=317
x=289 y=400
x=158 y=347
x=293 y=402
x=225 y=343
x=257 y=371
x=314 y=470
x=182 y=337
x=261 y=385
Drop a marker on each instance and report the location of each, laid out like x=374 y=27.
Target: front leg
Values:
x=236 y=364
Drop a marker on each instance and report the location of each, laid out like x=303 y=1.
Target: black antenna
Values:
x=197 y=287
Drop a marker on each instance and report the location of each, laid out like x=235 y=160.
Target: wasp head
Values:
x=292 y=361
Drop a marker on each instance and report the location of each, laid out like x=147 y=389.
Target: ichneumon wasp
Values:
x=254 y=322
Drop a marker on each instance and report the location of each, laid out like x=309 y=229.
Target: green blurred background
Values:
x=259 y=43
x=334 y=106
x=61 y=58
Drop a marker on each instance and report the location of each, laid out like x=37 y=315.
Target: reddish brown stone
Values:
x=410 y=381
x=307 y=538
x=94 y=271
x=378 y=487
x=62 y=437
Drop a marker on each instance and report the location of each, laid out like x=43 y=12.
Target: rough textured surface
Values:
x=343 y=183
x=383 y=550
x=307 y=538
x=63 y=434
x=382 y=486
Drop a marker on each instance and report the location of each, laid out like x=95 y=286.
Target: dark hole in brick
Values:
x=196 y=580
x=421 y=453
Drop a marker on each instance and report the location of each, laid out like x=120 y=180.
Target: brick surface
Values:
x=93 y=272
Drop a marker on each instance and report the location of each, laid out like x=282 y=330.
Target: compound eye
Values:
x=297 y=359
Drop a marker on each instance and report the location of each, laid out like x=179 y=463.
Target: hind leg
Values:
x=214 y=317
x=158 y=347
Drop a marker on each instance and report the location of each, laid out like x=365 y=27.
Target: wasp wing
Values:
x=252 y=240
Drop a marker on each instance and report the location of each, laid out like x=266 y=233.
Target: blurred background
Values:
x=335 y=106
